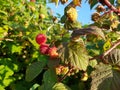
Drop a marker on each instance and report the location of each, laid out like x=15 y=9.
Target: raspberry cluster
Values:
x=45 y=48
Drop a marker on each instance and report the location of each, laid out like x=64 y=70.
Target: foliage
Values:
x=39 y=51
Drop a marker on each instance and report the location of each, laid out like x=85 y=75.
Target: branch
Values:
x=113 y=47
x=61 y=79
x=110 y=6
x=107 y=52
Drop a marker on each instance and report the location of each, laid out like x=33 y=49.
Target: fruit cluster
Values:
x=61 y=70
x=72 y=14
x=45 y=49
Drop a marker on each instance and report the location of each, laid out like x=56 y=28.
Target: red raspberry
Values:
x=32 y=0
x=41 y=39
x=44 y=48
x=53 y=52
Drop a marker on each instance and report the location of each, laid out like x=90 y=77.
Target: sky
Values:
x=84 y=12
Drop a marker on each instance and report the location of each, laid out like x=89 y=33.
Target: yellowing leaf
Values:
x=77 y=2
x=115 y=24
x=72 y=14
x=107 y=45
x=111 y=17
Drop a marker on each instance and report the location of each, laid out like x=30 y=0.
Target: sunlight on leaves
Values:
x=107 y=45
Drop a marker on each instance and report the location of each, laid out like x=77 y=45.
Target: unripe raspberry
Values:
x=41 y=16
x=65 y=69
x=58 y=69
x=100 y=8
x=53 y=53
x=95 y=17
x=44 y=48
x=72 y=14
x=41 y=39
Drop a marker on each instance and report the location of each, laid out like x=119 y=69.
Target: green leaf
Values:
x=2 y=87
x=72 y=25
x=34 y=70
x=34 y=86
x=3 y=12
x=63 y=19
x=3 y=30
x=7 y=73
x=16 y=48
x=49 y=79
x=93 y=63
x=112 y=1
x=60 y=86
x=72 y=53
x=105 y=78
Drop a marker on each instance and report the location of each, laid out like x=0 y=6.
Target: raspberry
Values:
x=44 y=48
x=41 y=16
x=72 y=14
x=32 y=0
x=53 y=52
x=41 y=39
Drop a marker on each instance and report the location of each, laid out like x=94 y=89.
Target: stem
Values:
x=61 y=79
x=107 y=52
x=110 y=6
x=113 y=47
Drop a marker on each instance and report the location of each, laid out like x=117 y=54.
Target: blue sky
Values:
x=84 y=12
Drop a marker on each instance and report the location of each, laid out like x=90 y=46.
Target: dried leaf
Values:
x=114 y=57
x=105 y=78
x=91 y=30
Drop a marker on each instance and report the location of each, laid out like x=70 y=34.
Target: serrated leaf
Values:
x=72 y=53
x=113 y=57
x=34 y=70
x=91 y=30
x=49 y=79
x=60 y=86
x=105 y=78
